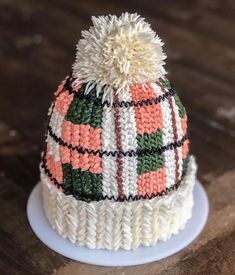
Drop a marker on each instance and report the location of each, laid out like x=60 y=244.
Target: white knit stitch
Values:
x=109 y=164
x=129 y=142
x=61 y=214
x=48 y=200
x=117 y=230
x=56 y=122
x=136 y=225
x=72 y=220
x=82 y=223
x=91 y=226
x=126 y=225
x=167 y=137
x=53 y=148
x=109 y=226
x=161 y=216
x=155 y=221
x=100 y=225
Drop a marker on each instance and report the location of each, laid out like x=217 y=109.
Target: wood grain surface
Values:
x=37 y=48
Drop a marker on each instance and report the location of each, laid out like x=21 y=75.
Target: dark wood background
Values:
x=37 y=48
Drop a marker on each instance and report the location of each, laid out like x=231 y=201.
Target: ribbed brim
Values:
x=113 y=225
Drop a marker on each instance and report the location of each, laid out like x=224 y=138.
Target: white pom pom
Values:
x=117 y=52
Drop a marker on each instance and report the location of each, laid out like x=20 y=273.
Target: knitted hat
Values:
x=116 y=171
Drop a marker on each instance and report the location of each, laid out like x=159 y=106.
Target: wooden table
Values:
x=37 y=48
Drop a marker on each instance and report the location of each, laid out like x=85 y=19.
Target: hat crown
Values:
x=131 y=147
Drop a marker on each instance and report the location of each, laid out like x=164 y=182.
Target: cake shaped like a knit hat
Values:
x=116 y=170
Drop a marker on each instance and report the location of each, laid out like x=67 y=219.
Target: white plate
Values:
x=141 y=255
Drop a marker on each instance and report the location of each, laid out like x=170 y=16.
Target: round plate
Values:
x=141 y=255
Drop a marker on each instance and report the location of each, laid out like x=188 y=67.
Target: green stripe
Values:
x=178 y=102
x=83 y=111
x=149 y=163
x=185 y=164
x=83 y=185
x=165 y=83
x=148 y=141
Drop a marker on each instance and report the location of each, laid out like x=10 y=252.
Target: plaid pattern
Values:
x=82 y=152
x=80 y=173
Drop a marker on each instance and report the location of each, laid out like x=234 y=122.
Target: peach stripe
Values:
x=148 y=118
x=62 y=102
x=152 y=182
x=138 y=93
x=81 y=135
x=59 y=89
x=184 y=124
x=55 y=168
x=65 y=154
x=85 y=162
x=185 y=149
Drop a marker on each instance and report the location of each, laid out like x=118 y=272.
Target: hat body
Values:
x=119 y=164
x=116 y=171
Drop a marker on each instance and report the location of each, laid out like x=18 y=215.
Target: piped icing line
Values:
x=174 y=127
x=180 y=132
x=119 y=147
x=109 y=163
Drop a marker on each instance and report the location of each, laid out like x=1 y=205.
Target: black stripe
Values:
x=99 y=102
x=131 y=153
x=123 y=198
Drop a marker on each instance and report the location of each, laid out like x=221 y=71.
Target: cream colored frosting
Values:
x=113 y=225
